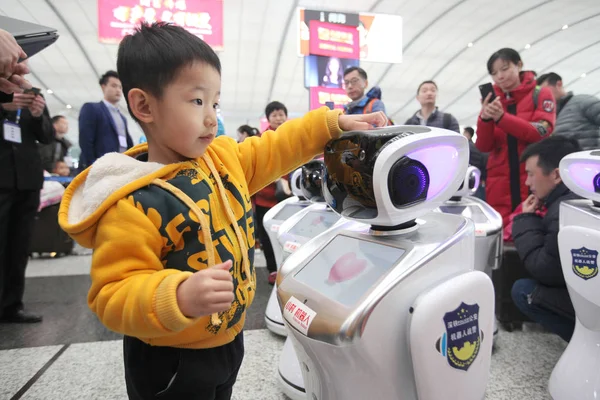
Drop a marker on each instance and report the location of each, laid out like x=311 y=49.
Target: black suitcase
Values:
x=47 y=235
x=511 y=270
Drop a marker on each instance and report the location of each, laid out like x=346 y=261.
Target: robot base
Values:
x=289 y=373
x=273 y=317
x=574 y=376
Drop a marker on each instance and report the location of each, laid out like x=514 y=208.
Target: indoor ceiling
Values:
x=448 y=41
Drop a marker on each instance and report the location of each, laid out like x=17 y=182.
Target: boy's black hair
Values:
x=275 y=106
x=152 y=57
x=108 y=74
x=550 y=151
x=361 y=72
x=470 y=130
x=552 y=78
x=57 y=118
x=424 y=83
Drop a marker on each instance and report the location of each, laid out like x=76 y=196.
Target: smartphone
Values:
x=486 y=89
x=33 y=90
x=330 y=104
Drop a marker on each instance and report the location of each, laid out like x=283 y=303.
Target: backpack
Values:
x=536 y=94
x=447 y=120
x=369 y=109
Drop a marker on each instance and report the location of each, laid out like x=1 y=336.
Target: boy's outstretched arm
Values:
x=296 y=142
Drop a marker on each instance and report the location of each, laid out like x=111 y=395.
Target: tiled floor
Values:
x=71 y=356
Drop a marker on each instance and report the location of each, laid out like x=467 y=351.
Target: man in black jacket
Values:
x=544 y=298
x=20 y=183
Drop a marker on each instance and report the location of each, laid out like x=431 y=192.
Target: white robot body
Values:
x=404 y=309
x=276 y=216
x=294 y=232
x=577 y=373
x=389 y=305
x=488 y=222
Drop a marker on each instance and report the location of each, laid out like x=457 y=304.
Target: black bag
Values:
x=511 y=270
x=47 y=235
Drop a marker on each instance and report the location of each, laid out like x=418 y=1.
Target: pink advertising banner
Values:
x=334 y=40
x=203 y=18
x=321 y=95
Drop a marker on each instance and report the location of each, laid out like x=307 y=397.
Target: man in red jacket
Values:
x=519 y=115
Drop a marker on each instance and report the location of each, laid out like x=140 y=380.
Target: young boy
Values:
x=171 y=223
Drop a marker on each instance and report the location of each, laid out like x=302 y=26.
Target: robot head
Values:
x=295 y=183
x=470 y=183
x=581 y=173
x=312 y=180
x=390 y=176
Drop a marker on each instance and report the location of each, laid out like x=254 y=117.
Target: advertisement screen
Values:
x=203 y=18
x=319 y=96
x=347 y=268
x=305 y=16
x=333 y=40
x=379 y=35
x=327 y=72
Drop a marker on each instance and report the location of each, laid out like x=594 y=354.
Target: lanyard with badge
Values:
x=12 y=130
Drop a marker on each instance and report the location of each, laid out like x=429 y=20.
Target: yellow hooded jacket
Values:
x=152 y=225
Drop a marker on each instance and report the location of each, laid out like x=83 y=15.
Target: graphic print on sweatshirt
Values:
x=183 y=243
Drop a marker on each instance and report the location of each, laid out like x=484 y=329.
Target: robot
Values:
x=391 y=308
x=282 y=211
x=576 y=375
x=299 y=229
x=489 y=244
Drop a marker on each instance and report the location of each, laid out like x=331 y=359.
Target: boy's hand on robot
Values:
x=207 y=291
x=362 y=122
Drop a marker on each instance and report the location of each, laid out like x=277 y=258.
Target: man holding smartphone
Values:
x=11 y=71
x=24 y=122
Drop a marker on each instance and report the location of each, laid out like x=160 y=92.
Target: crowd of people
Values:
x=525 y=126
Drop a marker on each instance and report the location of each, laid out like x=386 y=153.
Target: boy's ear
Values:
x=140 y=104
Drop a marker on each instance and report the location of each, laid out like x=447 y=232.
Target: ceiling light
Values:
x=527 y=46
x=565 y=27
x=69 y=106
x=49 y=91
x=583 y=75
x=470 y=45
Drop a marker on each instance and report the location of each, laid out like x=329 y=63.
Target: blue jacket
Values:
x=359 y=108
x=98 y=133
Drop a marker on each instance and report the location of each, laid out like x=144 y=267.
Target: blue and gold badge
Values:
x=585 y=263
x=461 y=342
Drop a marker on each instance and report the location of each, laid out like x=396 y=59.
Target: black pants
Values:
x=264 y=238
x=153 y=372
x=17 y=217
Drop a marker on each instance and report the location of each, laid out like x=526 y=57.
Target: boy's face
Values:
x=185 y=118
x=277 y=118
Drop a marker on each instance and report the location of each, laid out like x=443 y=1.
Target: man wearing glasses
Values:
x=355 y=83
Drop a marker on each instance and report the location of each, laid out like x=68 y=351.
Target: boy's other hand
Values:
x=206 y=292
x=362 y=122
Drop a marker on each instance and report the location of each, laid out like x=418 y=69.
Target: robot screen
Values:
x=287 y=211
x=346 y=268
x=314 y=223
x=473 y=213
